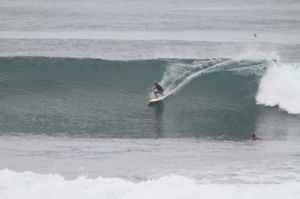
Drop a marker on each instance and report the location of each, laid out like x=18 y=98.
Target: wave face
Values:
x=92 y=97
x=32 y=185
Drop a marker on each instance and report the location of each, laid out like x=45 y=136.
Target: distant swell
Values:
x=280 y=86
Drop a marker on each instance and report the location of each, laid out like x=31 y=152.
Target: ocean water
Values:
x=75 y=81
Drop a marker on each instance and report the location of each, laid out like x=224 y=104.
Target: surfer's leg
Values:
x=156 y=92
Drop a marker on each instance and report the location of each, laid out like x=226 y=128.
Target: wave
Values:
x=139 y=47
x=213 y=36
x=42 y=95
x=33 y=185
x=280 y=86
x=53 y=74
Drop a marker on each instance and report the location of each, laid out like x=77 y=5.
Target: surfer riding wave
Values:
x=157 y=89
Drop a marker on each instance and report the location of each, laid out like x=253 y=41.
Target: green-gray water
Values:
x=98 y=98
x=75 y=80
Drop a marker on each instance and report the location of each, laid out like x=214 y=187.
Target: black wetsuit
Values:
x=159 y=88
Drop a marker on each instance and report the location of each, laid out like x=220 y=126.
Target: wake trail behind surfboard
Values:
x=179 y=74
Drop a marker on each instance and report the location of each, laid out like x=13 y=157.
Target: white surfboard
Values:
x=157 y=99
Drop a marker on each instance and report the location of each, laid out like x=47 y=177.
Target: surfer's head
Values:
x=155 y=83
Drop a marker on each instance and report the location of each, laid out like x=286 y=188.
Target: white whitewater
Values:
x=32 y=185
x=280 y=86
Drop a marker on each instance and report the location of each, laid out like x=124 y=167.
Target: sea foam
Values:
x=32 y=185
x=280 y=86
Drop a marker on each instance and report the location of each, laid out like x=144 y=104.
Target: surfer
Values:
x=157 y=89
x=254 y=137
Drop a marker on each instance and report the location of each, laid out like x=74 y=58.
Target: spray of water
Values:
x=280 y=86
x=179 y=74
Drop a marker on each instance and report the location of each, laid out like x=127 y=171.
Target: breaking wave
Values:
x=33 y=185
x=280 y=86
x=69 y=95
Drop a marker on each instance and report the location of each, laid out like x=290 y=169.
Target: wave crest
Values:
x=280 y=86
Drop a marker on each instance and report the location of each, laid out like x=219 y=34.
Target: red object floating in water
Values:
x=254 y=137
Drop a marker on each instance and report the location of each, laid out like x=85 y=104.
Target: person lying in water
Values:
x=254 y=137
x=157 y=89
